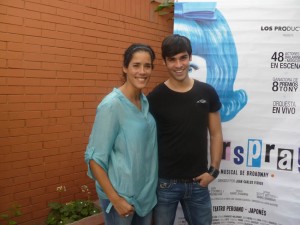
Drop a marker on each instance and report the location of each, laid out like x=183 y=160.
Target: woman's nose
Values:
x=142 y=69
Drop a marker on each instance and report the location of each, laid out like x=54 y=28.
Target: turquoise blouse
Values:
x=123 y=142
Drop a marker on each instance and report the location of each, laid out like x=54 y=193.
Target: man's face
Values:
x=178 y=66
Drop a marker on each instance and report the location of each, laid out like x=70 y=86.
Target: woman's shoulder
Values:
x=111 y=100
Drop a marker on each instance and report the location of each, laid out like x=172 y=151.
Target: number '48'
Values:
x=277 y=56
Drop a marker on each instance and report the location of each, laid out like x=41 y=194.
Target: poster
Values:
x=249 y=51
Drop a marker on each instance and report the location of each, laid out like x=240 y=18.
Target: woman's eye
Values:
x=193 y=68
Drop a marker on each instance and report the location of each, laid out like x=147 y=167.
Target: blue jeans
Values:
x=113 y=218
x=194 y=199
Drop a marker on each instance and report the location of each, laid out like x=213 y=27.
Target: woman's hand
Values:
x=123 y=208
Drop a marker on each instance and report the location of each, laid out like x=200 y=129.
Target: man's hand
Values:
x=204 y=179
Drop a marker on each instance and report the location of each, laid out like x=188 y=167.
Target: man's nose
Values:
x=178 y=63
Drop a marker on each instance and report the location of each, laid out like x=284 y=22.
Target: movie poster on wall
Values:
x=249 y=50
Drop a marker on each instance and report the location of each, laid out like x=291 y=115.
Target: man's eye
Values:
x=184 y=57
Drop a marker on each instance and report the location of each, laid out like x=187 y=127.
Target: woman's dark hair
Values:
x=175 y=44
x=136 y=47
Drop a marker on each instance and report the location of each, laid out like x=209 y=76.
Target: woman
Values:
x=122 y=149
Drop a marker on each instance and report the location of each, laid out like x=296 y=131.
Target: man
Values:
x=185 y=110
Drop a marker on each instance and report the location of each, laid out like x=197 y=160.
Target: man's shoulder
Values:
x=202 y=85
x=156 y=90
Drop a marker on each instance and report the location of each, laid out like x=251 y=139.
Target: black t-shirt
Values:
x=182 y=128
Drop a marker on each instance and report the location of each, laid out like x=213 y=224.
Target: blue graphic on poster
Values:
x=249 y=52
x=213 y=42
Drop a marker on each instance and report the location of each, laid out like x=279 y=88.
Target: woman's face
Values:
x=197 y=68
x=139 y=70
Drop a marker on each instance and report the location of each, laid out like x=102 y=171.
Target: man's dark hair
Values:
x=174 y=44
